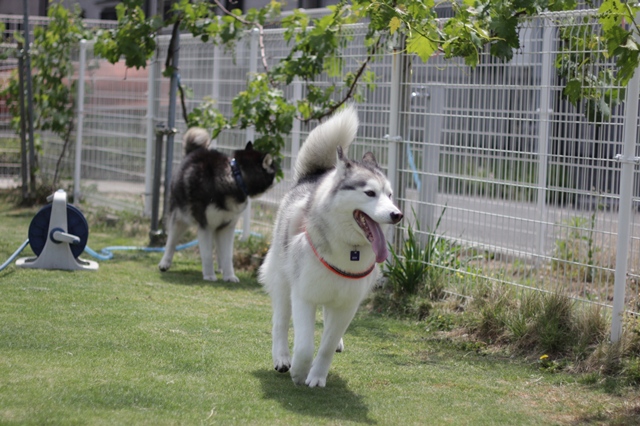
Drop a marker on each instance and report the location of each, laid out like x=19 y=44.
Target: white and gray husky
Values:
x=210 y=190
x=328 y=237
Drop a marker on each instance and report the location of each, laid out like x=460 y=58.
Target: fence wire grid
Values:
x=525 y=182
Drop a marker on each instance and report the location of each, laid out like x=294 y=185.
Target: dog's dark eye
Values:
x=370 y=193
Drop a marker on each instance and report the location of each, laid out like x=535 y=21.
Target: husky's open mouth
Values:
x=374 y=234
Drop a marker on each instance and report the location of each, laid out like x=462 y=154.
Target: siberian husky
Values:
x=329 y=235
x=210 y=190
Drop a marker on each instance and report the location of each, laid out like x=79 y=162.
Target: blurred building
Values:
x=106 y=9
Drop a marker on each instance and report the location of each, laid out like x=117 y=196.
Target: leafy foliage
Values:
x=315 y=47
x=208 y=117
x=54 y=87
x=267 y=110
x=316 y=43
x=618 y=27
x=133 y=39
x=584 y=82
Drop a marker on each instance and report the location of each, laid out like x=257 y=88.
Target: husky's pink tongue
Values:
x=379 y=243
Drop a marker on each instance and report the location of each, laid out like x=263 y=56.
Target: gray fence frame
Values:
x=495 y=147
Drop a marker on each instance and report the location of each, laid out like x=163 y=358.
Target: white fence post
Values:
x=628 y=162
x=215 y=77
x=251 y=131
x=431 y=159
x=395 y=110
x=295 y=133
x=544 y=110
x=150 y=137
x=394 y=113
x=77 y=172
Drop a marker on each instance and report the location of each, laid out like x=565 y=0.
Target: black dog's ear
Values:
x=267 y=162
x=249 y=146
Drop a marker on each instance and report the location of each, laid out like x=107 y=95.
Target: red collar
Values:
x=335 y=270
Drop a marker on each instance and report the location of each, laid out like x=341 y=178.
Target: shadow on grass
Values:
x=193 y=277
x=335 y=402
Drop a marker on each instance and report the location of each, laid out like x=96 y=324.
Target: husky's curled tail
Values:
x=318 y=153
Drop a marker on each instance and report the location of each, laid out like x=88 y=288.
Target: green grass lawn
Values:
x=129 y=345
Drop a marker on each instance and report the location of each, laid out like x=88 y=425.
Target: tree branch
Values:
x=352 y=88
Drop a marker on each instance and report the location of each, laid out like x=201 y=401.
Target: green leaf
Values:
x=573 y=91
x=421 y=46
x=394 y=24
x=503 y=50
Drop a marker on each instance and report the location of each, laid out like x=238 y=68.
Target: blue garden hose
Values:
x=107 y=252
x=14 y=255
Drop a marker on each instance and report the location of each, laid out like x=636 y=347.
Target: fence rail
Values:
x=528 y=184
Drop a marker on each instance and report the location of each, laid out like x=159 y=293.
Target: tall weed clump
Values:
x=620 y=360
x=536 y=323
x=414 y=276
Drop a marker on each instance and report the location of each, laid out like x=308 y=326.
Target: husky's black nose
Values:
x=396 y=217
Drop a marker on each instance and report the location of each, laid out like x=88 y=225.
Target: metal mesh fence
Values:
x=524 y=183
x=9 y=141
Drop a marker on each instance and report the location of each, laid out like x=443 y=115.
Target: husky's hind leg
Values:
x=224 y=248
x=176 y=229
x=205 y=243
x=304 y=321
x=336 y=322
x=281 y=304
x=272 y=276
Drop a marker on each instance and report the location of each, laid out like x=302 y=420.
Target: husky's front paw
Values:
x=164 y=266
x=282 y=365
x=232 y=279
x=297 y=379
x=210 y=277
x=340 y=347
x=312 y=382
x=299 y=375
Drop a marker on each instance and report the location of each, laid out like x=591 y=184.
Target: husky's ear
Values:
x=249 y=146
x=267 y=161
x=343 y=162
x=369 y=159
